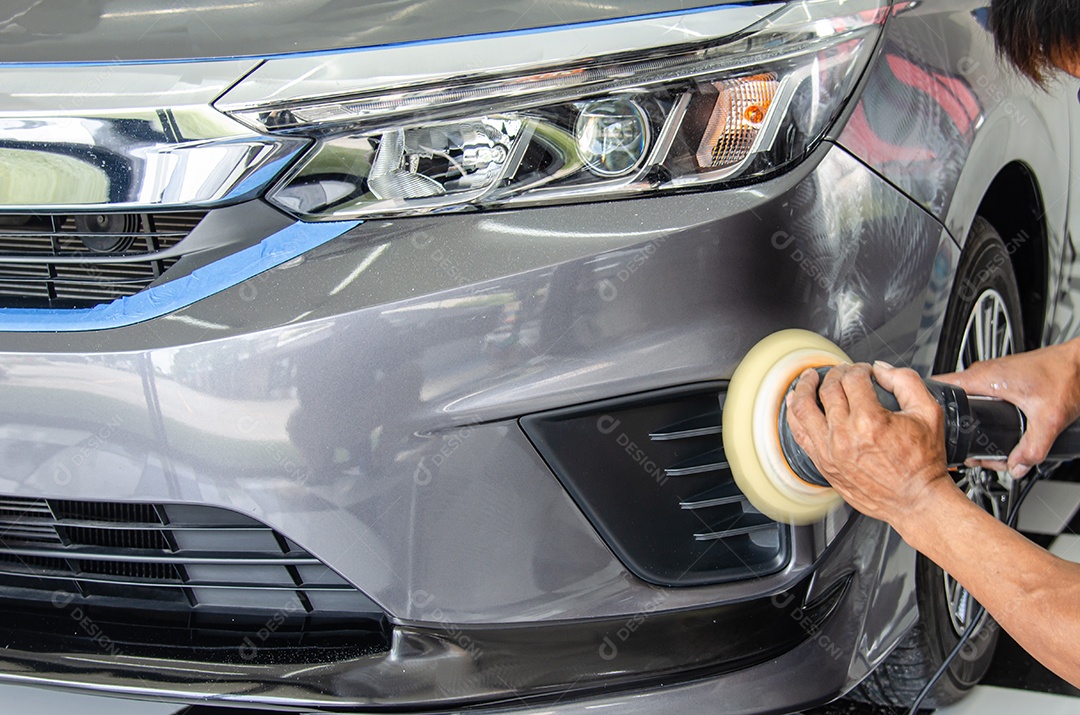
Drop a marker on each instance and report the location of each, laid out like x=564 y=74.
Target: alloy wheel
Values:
x=987 y=335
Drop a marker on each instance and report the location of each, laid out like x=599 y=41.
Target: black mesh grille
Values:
x=66 y=259
x=650 y=473
x=36 y=563
x=114 y=538
x=103 y=511
x=128 y=570
x=189 y=559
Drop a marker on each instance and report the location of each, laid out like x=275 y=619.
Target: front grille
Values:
x=71 y=261
x=140 y=566
x=649 y=472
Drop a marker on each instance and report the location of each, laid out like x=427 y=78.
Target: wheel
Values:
x=983 y=321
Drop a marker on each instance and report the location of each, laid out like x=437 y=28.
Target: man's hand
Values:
x=1044 y=383
x=882 y=463
x=891 y=466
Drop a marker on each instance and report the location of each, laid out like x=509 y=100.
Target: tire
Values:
x=984 y=276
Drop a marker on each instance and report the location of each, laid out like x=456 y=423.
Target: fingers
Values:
x=805 y=418
x=909 y=389
x=861 y=396
x=832 y=394
x=1032 y=449
x=991 y=464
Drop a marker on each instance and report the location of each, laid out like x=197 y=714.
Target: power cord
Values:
x=1010 y=521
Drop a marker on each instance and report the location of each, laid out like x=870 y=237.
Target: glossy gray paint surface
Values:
x=829 y=662
x=382 y=438
x=363 y=399
x=110 y=30
x=940 y=116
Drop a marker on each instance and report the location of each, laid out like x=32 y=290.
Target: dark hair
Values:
x=1035 y=35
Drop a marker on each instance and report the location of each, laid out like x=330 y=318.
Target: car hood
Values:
x=132 y=30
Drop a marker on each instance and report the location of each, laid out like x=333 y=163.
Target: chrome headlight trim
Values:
x=128 y=138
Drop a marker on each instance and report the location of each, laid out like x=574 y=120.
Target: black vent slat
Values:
x=697 y=426
x=719 y=495
x=650 y=473
x=737 y=524
x=66 y=272
x=711 y=461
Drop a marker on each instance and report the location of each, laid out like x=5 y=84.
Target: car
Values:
x=371 y=356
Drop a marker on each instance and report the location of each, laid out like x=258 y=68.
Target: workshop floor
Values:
x=1015 y=683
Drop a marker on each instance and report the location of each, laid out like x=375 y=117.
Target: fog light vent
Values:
x=649 y=472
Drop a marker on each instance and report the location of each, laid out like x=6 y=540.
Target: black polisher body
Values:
x=975 y=428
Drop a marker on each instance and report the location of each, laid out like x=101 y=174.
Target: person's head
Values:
x=1038 y=36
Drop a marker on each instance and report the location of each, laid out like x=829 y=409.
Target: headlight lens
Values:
x=612 y=135
x=696 y=115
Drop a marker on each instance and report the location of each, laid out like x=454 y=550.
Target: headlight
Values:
x=690 y=115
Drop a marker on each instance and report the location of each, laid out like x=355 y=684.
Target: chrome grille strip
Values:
x=45 y=523
x=102 y=260
x=159 y=557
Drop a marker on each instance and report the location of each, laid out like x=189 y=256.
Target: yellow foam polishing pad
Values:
x=751 y=425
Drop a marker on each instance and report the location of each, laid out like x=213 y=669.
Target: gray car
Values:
x=371 y=356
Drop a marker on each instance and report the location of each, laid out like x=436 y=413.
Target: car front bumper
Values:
x=363 y=400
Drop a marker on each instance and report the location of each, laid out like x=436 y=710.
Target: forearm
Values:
x=1034 y=595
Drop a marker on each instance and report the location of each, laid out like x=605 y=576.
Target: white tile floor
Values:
x=1067 y=546
x=1049 y=507
x=1048 y=510
x=23 y=700
x=985 y=700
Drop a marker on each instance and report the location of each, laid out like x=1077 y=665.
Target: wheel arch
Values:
x=1013 y=204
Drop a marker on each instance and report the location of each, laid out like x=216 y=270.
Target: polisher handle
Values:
x=1067 y=445
x=986 y=428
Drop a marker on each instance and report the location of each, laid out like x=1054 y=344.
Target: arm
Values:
x=1034 y=595
x=891 y=466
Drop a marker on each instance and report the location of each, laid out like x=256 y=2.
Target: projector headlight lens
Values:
x=688 y=116
x=612 y=136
